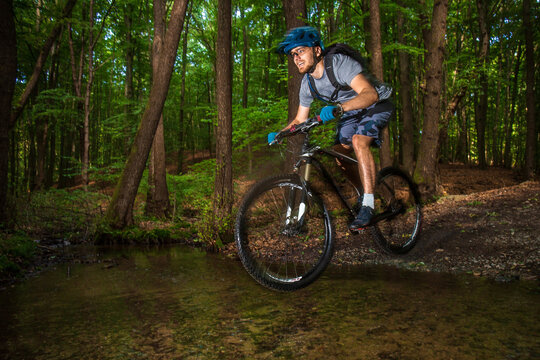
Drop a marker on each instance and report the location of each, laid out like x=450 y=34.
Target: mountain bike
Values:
x=284 y=231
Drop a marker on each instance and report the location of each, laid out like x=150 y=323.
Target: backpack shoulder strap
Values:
x=329 y=67
x=313 y=89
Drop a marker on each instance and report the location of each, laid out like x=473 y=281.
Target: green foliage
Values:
x=108 y=175
x=475 y=203
x=16 y=250
x=136 y=235
x=193 y=194
x=214 y=231
x=252 y=124
x=193 y=190
x=61 y=214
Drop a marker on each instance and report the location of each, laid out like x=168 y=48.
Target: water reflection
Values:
x=181 y=303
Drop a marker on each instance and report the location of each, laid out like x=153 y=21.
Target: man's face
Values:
x=303 y=58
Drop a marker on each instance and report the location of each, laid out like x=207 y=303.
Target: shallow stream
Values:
x=184 y=303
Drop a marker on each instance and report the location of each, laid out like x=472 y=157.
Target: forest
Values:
x=123 y=112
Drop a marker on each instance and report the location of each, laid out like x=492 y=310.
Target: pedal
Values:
x=358 y=230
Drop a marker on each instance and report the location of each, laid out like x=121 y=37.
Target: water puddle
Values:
x=182 y=303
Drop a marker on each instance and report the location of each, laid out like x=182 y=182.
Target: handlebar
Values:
x=304 y=127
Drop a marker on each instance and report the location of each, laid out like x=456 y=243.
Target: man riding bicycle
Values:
x=363 y=111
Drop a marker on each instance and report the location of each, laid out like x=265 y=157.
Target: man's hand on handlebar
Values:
x=331 y=112
x=294 y=128
x=272 y=137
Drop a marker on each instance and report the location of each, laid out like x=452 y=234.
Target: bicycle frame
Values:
x=308 y=156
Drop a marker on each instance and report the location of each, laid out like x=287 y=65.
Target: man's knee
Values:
x=362 y=141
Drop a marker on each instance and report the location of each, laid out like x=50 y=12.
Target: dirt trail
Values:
x=488 y=225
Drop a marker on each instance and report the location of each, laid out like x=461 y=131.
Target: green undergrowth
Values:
x=136 y=235
x=16 y=251
x=78 y=216
x=52 y=218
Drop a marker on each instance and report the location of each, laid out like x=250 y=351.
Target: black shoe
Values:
x=358 y=205
x=363 y=219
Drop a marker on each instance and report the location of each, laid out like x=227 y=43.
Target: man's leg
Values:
x=366 y=169
x=366 y=163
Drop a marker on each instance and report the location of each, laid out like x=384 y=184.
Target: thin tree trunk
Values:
x=128 y=86
x=223 y=190
x=86 y=124
x=295 y=12
x=461 y=151
x=13 y=152
x=66 y=162
x=530 y=148
x=181 y=119
x=481 y=115
x=157 y=198
x=407 y=136
x=31 y=165
x=245 y=82
x=509 y=128
x=375 y=49
x=427 y=171
x=120 y=211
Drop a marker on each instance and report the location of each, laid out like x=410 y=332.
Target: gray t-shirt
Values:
x=345 y=69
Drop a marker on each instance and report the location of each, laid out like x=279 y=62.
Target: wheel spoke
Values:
x=283 y=234
x=398 y=212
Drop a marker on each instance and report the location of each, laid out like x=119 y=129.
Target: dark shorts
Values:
x=366 y=122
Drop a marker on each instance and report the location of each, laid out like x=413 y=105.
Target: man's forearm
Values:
x=362 y=101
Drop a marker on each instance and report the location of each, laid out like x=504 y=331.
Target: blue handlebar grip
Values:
x=272 y=137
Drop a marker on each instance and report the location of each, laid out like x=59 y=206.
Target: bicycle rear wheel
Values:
x=398 y=211
x=283 y=233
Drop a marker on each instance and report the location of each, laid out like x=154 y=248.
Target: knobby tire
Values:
x=283 y=233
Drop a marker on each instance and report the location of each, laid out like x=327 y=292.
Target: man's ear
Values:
x=318 y=51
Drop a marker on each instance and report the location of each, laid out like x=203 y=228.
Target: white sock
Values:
x=369 y=200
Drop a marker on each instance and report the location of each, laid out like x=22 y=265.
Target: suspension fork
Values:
x=302 y=205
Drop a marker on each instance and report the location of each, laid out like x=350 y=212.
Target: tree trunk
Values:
x=481 y=115
x=120 y=211
x=462 y=151
x=375 y=49
x=42 y=130
x=245 y=82
x=407 y=135
x=181 y=117
x=510 y=124
x=8 y=73
x=530 y=148
x=223 y=190
x=295 y=11
x=157 y=198
x=86 y=124
x=427 y=171
x=128 y=86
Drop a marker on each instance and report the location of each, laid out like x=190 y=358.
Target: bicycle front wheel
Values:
x=283 y=233
x=398 y=211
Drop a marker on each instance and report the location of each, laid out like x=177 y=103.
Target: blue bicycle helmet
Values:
x=300 y=36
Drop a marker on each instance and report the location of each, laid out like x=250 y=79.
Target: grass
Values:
x=16 y=251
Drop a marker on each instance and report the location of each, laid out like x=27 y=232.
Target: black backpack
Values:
x=384 y=90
